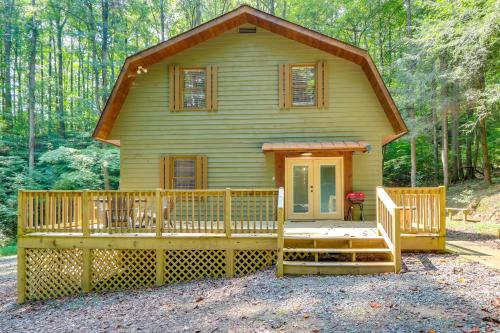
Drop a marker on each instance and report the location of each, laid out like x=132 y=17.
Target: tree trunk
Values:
x=162 y=19
x=60 y=85
x=445 y=104
x=7 y=44
x=31 y=96
x=413 y=139
x=484 y=149
x=444 y=155
x=455 y=143
x=49 y=80
x=435 y=144
x=104 y=50
x=469 y=169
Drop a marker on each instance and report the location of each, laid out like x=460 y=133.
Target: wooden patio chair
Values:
x=168 y=207
x=119 y=213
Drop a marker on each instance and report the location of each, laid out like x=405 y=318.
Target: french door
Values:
x=314 y=188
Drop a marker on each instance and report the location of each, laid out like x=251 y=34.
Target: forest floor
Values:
x=483 y=221
x=434 y=293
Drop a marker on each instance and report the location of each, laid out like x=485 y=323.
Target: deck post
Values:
x=280 y=232
x=21 y=251
x=378 y=208
x=85 y=213
x=227 y=212
x=396 y=229
x=159 y=213
x=442 y=217
x=87 y=253
x=160 y=267
x=229 y=263
x=87 y=270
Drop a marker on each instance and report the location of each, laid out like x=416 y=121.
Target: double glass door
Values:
x=314 y=188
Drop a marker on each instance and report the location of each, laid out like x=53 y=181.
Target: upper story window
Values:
x=303 y=79
x=192 y=88
x=303 y=85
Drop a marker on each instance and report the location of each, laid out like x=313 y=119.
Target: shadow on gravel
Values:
x=417 y=263
x=468 y=236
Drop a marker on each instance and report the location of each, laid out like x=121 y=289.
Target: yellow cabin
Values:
x=240 y=141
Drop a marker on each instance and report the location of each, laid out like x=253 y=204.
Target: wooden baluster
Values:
x=248 y=211
x=227 y=212
x=159 y=212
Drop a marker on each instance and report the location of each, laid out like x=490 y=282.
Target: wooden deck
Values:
x=78 y=241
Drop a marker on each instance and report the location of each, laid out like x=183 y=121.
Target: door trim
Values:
x=289 y=192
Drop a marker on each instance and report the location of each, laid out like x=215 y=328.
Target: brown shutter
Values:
x=322 y=84
x=214 y=88
x=281 y=86
x=288 y=87
x=178 y=88
x=211 y=87
x=201 y=172
x=174 y=85
x=171 y=88
x=208 y=87
x=284 y=86
x=166 y=165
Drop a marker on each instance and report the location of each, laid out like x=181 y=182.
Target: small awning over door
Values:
x=360 y=146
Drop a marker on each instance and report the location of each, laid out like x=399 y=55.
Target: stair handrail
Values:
x=280 y=231
x=388 y=224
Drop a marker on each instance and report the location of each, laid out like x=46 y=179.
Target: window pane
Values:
x=184 y=174
x=328 y=189
x=300 y=189
x=194 y=88
x=303 y=85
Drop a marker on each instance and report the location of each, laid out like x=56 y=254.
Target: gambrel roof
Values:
x=241 y=15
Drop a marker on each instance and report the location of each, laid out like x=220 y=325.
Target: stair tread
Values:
x=332 y=237
x=338 y=250
x=338 y=264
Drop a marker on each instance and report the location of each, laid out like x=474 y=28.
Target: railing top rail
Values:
x=386 y=199
x=239 y=190
x=409 y=190
x=254 y=190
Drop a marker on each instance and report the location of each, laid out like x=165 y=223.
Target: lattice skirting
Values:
x=53 y=273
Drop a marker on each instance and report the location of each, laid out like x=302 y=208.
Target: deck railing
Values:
x=422 y=209
x=280 y=232
x=160 y=211
x=388 y=215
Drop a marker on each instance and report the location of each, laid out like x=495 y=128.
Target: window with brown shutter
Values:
x=184 y=172
x=192 y=89
x=303 y=85
x=303 y=80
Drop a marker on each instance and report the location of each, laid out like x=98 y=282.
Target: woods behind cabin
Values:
x=59 y=61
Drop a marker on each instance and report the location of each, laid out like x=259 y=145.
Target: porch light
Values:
x=306 y=154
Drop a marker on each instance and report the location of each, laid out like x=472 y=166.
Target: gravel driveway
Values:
x=441 y=293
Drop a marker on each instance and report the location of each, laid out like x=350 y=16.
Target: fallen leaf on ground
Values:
x=491 y=320
x=375 y=305
x=496 y=302
x=199 y=299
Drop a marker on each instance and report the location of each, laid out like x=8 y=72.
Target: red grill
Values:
x=356 y=197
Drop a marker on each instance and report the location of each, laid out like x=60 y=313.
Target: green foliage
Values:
x=410 y=57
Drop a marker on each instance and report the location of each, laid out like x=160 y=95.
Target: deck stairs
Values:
x=326 y=254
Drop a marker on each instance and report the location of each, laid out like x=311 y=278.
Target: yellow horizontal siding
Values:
x=247 y=115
